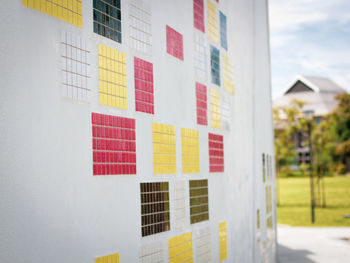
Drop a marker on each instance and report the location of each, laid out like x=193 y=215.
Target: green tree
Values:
x=339 y=120
x=288 y=123
x=322 y=157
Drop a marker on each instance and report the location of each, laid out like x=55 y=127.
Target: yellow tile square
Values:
x=106 y=67
x=43 y=6
x=223 y=240
x=60 y=13
x=164 y=153
x=30 y=3
x=190 y=150
x=49 y=8
x=36 y=4
x=70 y=4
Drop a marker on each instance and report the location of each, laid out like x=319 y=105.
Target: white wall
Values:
x=53 y=209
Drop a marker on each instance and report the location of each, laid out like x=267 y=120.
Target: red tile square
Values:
x=144 y=97
x=201 y=104
x=113 y=144
x=174 y=42
x=198 y=15
x=216 y=153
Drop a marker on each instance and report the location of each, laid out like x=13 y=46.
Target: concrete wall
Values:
x=52 y=207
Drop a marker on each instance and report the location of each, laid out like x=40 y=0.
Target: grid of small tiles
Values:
x=201 y=103
x=74 y=67
x=107 y=19
x=144 y=98
x=269 y=167
x=199 y=201
x=263 y=168
x=112 y=77
x=215 y=65
x=113 y=258
x=212 y=21
x=216 y=153
x=200 y=56
x=114 y=145
x=203 y=247
x=229 y=85
x=190 y=150
x=223 y=240
x=174 y=43
x=140 y=26
x=164 y=149
x=180 y=248
x=69 y=11
x=269 y=225
x=215 y=109
x=155 y=209
x=268 y=199
x=198 y=15
x=223 y=30
x=180 y=204
x=151 y=253
x=258 y=231
x=226 y=111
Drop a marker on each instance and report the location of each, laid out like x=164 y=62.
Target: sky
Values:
x=309 y=37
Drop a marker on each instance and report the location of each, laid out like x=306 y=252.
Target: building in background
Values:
x=319 y=96
x=136 y=131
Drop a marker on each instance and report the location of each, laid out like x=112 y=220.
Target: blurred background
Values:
x=310 y=62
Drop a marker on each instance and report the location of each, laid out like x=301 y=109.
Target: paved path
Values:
x=313 y=245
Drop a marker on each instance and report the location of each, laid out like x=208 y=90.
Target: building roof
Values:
x=318 y=93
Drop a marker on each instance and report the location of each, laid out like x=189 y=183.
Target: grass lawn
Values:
x=294 y=202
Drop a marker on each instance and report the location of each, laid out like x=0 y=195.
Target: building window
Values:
x=318 y=120
x=155 y=209
x=114 y=145
x=144 y=98
x=199 y=201
x=107 y=19
x=300 y=141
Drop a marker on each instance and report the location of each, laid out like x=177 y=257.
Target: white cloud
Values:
x=291 y=15
x=296 y=52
